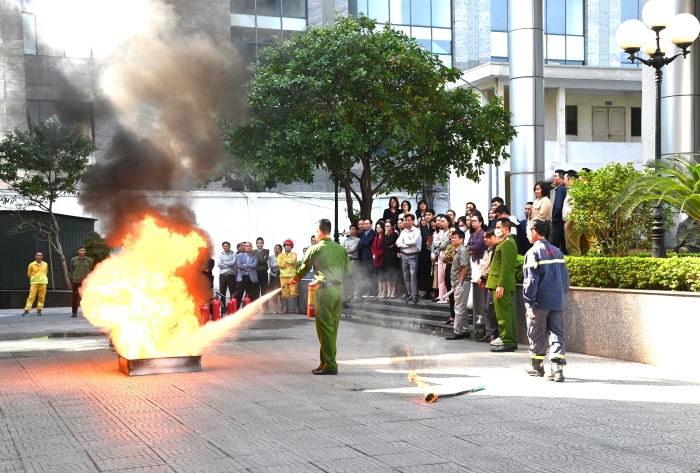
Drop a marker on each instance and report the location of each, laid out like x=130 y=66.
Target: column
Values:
x=680 y=96
x=561 y=124
x=526 y=58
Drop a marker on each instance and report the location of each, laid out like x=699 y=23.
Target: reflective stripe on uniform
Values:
x=537 y=357
x=549 y=261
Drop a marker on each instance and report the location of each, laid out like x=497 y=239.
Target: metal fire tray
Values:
x=175 y=364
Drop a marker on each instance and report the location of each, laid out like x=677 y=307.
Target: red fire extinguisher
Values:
x=311 y=302
x=232 y=306
x=206 y=315
x=216 y=315
x=246 y=301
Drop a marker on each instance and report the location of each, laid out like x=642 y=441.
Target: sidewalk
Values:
x=255 y=407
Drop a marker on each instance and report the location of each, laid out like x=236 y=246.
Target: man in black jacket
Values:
x=366 y=240
x=557 y=237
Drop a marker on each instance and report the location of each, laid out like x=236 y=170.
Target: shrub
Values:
x=675 y=273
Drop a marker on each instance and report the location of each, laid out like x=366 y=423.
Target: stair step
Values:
x=401 y=309
x=393 y=321
x=378 y=312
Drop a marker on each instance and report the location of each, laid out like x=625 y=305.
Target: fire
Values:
x=139 y=296
x=414 y=378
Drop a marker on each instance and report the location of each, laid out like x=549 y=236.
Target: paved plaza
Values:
x=255 y=407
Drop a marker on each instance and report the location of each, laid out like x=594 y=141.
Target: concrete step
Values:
x=418 y=311
x=403 y=322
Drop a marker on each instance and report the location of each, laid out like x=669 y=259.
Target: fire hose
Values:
x=432 y=397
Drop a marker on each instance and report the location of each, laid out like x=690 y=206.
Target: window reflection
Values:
x=74 y=114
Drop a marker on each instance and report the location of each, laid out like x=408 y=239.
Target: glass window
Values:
x=499 y=44
x=446 y=60
x=268 y=7
x=355 y=7
x=238 y=19
x=75 y=114
x=378 y=10
x=630 y=10
x=294 y=24
x=29 y=25
x=636 y=121
x=442 y=41
x=294 y=8
x=571 y=115
x=400 y=11
x=499 y=15
x=422 y=35
x=556 y=47
x=556 y=17
x=242 y=34
x=420 y=12
x=574 y=48
x=442 y=15
x=405 y=29
x=267 y=36
x=574 y=17
x=270 y=22
x=243 y=6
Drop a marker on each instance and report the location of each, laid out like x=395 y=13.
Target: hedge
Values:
x=675 y=273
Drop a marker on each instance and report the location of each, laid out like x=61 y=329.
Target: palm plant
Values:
x=674 y=181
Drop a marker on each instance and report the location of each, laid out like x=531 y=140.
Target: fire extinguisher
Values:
x=310 y=304
x=206 y=315
x=246 y=301
x=216 y=314
x=232 y=306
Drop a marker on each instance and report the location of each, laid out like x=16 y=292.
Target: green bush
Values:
x=675 y=273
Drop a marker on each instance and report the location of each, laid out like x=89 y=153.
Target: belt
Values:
x=410 y=254
x=329 y=284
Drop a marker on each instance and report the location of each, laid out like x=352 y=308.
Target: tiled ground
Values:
x=64 y=406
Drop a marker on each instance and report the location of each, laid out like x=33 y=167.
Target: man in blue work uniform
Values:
x=545 y=284
x=331 y=264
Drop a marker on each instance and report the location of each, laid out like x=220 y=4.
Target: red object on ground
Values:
x=232 y=306
x=310 y=304
x=216 y=315
x=206 y=316
x=246 y=301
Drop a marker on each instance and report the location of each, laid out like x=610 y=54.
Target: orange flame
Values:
x=138 y=295
x=414 y=378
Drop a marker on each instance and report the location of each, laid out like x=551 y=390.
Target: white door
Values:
x=609 y=124
x=600 y=124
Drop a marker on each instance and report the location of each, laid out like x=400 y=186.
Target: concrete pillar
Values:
x=526 y=58
x=561 y=124
x=680 y=96
x=13 y=96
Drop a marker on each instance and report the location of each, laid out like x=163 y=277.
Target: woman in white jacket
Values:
x=440 y=241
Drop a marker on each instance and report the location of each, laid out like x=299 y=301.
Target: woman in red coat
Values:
x=378 y=258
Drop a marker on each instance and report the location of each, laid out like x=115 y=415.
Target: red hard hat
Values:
x=289 y=242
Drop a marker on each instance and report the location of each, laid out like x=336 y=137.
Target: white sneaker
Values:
x=496 y=341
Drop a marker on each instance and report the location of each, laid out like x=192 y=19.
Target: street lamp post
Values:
x=655 y=37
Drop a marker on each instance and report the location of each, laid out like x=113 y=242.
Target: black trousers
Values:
x=76 y=296
x=558 y=238
x=425 y=280
x=252 y=289
x=227 y=281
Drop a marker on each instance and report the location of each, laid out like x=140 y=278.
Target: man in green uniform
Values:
x=331 y=264
x=502 y=281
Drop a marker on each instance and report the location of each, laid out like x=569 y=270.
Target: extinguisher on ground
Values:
x=216 y=313
x=246 y=301
x=311 y=302
x=232 y=307
x=205 y=314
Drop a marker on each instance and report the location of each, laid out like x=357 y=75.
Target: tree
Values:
x=370 y=106
x=96 y=248
x=40 y=166
x=593 y=212
x=674 y=181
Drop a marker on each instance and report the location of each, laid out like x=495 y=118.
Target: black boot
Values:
x=298 y=306
x=534 y=368
x=556 y=373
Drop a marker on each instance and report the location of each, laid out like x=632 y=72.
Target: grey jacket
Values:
x=227 y=263
x=351 y=245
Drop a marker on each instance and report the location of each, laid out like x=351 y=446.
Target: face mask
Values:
x=464 y=229
x=498 y=232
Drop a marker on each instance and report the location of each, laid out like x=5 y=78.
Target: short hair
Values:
x=379 y=222
x=411 y=216
x=465 y=205
x=505 y=222
x=450 y=210
x=502 y=209
x=528 y=203
x=585 y=170
x=81 y=247
x=422 y=201
x=489 y=233
x=370 y=220
x=39 y=253
x=313 y=236
x=324 y=225
x=546 y=188
x=405 y=202
x=478 y=215
x=224 y=243
x=280 y=246
x=259 y=239
x=432 y=211
x=459 y=233
x=572 y=174
x=389 y=222
x=462 y=219
x=561 y=173
x=498 y=199
x=352 y=225
x=538 y=225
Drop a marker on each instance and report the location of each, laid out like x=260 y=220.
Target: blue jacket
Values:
x=366 y=240
x=558 y=206
x=546 y=277
x=246 y=266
